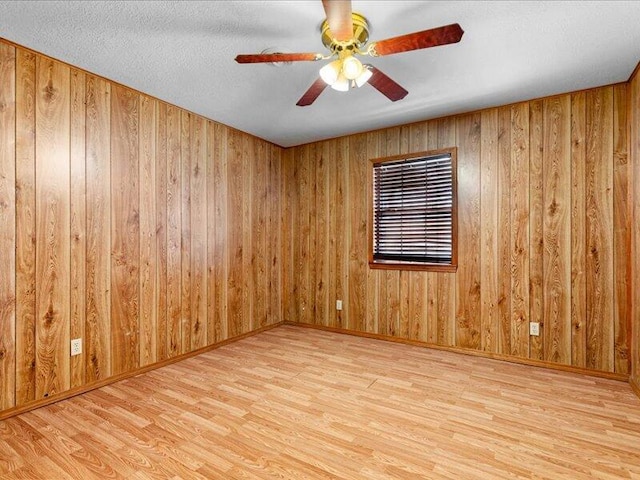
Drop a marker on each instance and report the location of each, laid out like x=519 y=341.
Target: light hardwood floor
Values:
x=296 y=403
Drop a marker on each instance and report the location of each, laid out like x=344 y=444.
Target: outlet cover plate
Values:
x=534 y=329
x=76 y=346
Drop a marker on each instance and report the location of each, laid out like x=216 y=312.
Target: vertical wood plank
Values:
x=275 y=251
x=220 y=226
x=185 y=232
x=161 y=231
x=259 y=273
x=519 y=230
x=433 y=278
x=234 y=235
x=8 y=223
x=148 y=227
x=504 y=229
x=125 y=231
x=329 y=155
x=621 y=230
x=468 y=274
x=321 y=256
x=536 y=217
x=418 y=307
x=578 y=233
x=198 y=319
x=599 y=228
x=52 y=227
x=289 y=196
x=247 y=158
x=557 y=229
x=78 y=221
x=174 y=219
x=342 y=217
x=358 y=257
x=446 y=310
x=98 y=268
x=25 y=226
x=489 y=234
x=212 y=268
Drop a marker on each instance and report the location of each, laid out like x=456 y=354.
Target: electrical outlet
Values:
x=338 y=304
x=76 y=346
x=534 y=329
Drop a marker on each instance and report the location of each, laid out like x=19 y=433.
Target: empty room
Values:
x=320 y=239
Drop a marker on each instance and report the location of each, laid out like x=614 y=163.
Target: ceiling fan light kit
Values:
x=344 y=33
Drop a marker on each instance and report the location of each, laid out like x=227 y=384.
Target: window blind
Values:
x=413 y=202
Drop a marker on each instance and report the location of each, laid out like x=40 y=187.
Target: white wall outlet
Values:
x=534 y=329
x=338 y=304
x=76 y=346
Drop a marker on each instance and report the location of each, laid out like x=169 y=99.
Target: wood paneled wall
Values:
x=143 y=229
x=634 y=114
x=543 y=233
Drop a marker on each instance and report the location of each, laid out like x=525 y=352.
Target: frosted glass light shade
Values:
x=330 y=72
x=364 y=76
x=351 y=67
x=341 y=84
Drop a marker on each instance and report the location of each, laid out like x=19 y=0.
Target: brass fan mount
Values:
x=360 y=36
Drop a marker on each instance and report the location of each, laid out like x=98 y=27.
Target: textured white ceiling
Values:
x=183 y=53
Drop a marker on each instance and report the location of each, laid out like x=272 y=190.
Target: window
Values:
x=414 y=212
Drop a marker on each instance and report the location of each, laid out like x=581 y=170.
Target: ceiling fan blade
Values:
x=278 y=57
x=415 y=41
x=314 y=92
x=339 y=18
x=386 y=86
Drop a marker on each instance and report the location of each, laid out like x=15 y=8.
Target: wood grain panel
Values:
x=578 y=231
x=599 y=228
x=25 y=171
x=418 y=281
x=78 y=221
x=161 y=228
x=275 y=253
x=557 y=229
x=519 y=222
x=234 y=233
x=174 y=210
x=287 y=187
x=323 y=306
x=210 y=198
x=125 y=231
x=433 y=278
x=148 y=226
x=198 y=319
x=98 y=268
x=259 y=273
x=245 y=234
x=536 y=225
x=220 y=228
x=523 y=221
x=468 y=275
x=93 y=174
x=8 y=222
x=52 y=227
x=334 y=224
x=185 y=232
x=489 y=236
x=359 y=184
x=634 y=122
x=621 y=230
x=446 y=137
x=504 y=230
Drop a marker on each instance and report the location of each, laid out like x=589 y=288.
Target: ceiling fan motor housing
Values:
x=360 y=35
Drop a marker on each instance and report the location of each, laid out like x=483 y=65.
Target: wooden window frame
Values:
x=406 y=265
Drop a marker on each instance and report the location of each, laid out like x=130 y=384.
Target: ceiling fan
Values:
x=345 y=33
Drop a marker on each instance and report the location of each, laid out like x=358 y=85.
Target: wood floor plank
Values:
x=295 y=402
